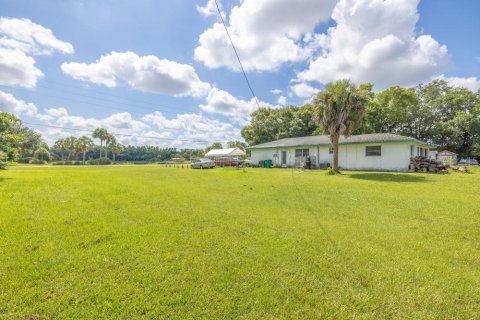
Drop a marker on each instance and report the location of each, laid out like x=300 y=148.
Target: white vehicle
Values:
x=202 y=163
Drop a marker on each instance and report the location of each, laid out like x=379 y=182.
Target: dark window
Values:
x=330 y=151
x=373 y=151
x=412 y=151
x=301 y=152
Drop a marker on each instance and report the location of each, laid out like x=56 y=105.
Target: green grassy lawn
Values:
x=149 y=242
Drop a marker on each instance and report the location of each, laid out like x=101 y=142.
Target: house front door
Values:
x=284 y=158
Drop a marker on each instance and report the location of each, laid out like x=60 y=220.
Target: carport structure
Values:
x=225 y=157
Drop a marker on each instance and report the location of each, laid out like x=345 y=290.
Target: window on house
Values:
x=373 y=151
x=330 y=150
x=412 y=151
x=302 y=152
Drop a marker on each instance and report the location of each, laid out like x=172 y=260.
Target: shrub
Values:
x=3 y=165
x=65 y=163
x=99 y=162
x=36 y=161
x=330 y=171
x=25 y=160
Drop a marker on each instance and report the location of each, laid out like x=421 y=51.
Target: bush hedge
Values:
x=67 y=163
x=3 y=165
x=25 y=160
x=36 y=161
x=99 y=162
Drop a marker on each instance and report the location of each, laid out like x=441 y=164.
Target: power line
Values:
x=116 y=134
x=236 y=53
x=107 y=94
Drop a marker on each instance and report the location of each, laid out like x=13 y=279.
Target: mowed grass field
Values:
x=147 y=242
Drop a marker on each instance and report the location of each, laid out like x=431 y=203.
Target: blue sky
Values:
x=164 y=69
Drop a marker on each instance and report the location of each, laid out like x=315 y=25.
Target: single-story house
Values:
x=381 y=151
x=230 y=152
x=447 y=157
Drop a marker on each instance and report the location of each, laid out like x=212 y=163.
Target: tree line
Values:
x=22 y=144
x=436 y=112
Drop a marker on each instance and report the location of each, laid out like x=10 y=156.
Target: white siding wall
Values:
x=395 y=156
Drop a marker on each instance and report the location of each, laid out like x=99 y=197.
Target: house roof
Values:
x=325 y=140
x=225 y=152
x=446 y=153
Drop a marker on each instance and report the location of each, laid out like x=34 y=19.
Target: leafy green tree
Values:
x=30 y=142
x=215 y=145
x=101 y=134
x=42 y=154
x=269 y=124
x=341 y=107
x=9 y=140
x=392 y=111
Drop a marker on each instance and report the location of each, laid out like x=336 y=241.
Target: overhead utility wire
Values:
x=116 y=134
x=121 y=98
x=236 y=53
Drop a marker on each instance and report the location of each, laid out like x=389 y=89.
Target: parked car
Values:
x=228 y=162
x=469 y=162
x=202 y=163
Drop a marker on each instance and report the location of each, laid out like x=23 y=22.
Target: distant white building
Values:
x=230 y=152
x=381 y=152
x=447 y=157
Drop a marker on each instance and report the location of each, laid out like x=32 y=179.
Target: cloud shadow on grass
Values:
x=388 y=177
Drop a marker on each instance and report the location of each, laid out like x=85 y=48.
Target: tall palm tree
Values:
x=83 y=145
x=341 y=107
x=70 y=145
x=115 y=147
x=109 y=141
x=102 y=134
x=61 y=145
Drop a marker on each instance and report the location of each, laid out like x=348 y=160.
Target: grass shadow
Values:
x=388 y=177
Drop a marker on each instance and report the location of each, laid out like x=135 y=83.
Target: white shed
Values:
x=447 y=157
x=382 y=152
x=230 y=152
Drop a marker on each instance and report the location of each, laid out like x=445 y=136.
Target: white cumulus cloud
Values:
x=303 y=90
x=16 y=68
x=144 y=73
x=20 y=39
x=282 y=100
x=8 y=103
x=210 y=9
x=375 y=41
x=222 y=102
x=266 y=34
x=471 y=83
x=30 y=38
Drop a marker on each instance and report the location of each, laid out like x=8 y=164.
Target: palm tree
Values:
x=70 y=145
x=102 y=134
x=83 y=145
x=109 y=140
x=61 y=146
x=341 y=110
x=115 y=147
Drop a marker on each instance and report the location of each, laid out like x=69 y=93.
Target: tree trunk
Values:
x=84 y=157
x=335 y=139
x=113 y=154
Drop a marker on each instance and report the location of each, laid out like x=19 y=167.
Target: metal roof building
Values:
x=380 y=151
x=230 y=152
